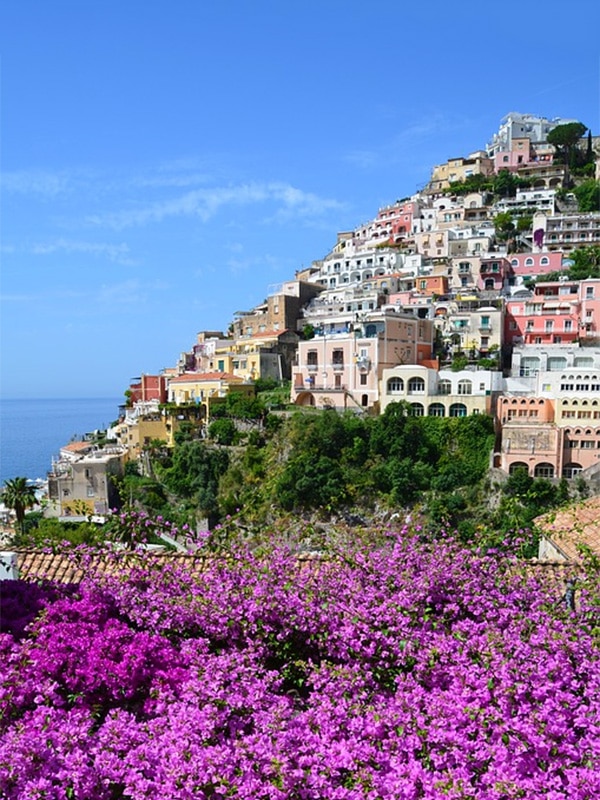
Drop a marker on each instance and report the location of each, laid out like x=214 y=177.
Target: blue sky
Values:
x=164 y=164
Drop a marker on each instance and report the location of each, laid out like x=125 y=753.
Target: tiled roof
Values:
x=570 y=528
x=36 y=565
x=268 y=334
x=198 y=377
x=65 y=568
x=76 y=447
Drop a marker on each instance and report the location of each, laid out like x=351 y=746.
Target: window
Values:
x=395 y=386
x=458 y=410
x=436 y=410
x=544 y=470
x=363 y=379
x=417 y=410
x=444 y=387
x=416 y=386
x=571 y=470
x=568 y=325
x=518 y=465
x=465 y=387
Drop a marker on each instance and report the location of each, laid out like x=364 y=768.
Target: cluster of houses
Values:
x=426 y=303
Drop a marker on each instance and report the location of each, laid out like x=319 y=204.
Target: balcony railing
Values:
x=311 y=386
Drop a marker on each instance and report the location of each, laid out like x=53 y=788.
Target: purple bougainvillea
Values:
x=410 y=669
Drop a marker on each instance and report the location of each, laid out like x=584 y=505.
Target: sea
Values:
x=33 y=431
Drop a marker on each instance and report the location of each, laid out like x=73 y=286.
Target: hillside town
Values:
x=457 y=300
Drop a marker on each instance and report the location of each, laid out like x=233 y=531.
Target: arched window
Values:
x=529 y=366
x=436 y=410
x=543 y=470
x=444 y=387
x=544 y=261
x=556 y=362
x=465 y=387
x=395 y=385
x=517 y=465
x=416 y=386
x=571 y=470
x=457 y=410
x=529 y=262
x=417 y=409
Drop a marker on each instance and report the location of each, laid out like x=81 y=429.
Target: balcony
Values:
x=489 y=269
x=310 y=385
x=338 y=366
x=312 y=367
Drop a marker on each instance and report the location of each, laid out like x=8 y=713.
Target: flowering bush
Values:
x=410 y=669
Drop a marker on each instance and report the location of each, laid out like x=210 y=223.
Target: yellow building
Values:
x=203 y=389
x=458 y=169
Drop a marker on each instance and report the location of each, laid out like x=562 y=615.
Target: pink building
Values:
x=533 y=439
x=532 y=265
x=558 y=312
x=494 y=273
x=344 y=370
x=392 y=222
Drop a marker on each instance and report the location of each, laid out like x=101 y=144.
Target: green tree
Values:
x=194 y=474
x=504 y=225
x=524 y=224
x=587 y=263
x=588 y=195
x=223 y=431
x=565 y=138
x=19 y=495
x=505 y=184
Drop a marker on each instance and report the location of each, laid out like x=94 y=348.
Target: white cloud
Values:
x=206 y=203
x=131 y=292
x=45 y=184
x=119 y=253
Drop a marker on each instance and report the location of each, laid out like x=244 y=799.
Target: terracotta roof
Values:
x=199 y=377
x=71 y=568
x=268 y=334
x=570 y=528
x=76 y=447
x=36 y=565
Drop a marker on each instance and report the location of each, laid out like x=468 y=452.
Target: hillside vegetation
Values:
x=260 y=467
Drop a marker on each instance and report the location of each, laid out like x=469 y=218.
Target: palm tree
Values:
x=18 y=495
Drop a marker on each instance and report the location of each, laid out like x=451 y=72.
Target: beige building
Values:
x=83 y=485
x=442 y=393
x=458 y=169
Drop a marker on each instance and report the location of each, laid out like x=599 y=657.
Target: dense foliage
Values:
x=407 y=669
x=586 y=264
x=327 y=465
